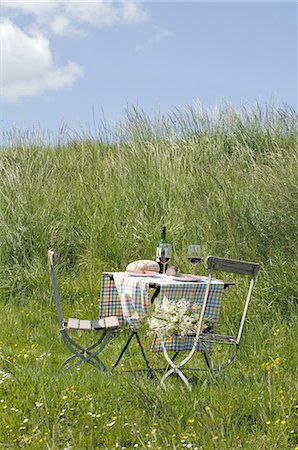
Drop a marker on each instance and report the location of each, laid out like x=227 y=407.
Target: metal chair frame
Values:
x=213 y=264
x=81 y=354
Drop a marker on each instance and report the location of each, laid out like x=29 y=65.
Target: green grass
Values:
x=226 y=180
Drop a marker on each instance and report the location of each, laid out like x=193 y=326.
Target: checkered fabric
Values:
x=125 y=297
x=194 y=294
x=128 y=298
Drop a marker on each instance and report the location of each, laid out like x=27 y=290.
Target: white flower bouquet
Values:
x=171 y=318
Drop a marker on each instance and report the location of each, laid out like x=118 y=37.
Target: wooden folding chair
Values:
x=206 y=339
x=81 y=354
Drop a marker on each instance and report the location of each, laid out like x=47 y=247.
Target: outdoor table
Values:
x=128 y=298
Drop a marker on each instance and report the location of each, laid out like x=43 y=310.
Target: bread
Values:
x=143 y=265
x=173 y=270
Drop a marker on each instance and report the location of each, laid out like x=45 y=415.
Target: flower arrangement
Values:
x=171 y=318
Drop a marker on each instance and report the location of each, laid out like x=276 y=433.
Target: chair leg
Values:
x=174 y=369
x=215 y=370
x=173 y=359
x=85 y=355
x=68 y=360
x=83 y=358
x=98 y=364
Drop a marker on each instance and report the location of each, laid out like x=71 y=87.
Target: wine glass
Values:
x=194 y=255
x=164 y=253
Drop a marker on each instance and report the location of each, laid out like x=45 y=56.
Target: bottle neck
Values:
x=163 y=235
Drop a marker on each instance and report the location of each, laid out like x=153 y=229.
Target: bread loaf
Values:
x=143 y=265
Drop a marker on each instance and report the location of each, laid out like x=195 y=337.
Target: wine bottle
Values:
x=162 y=240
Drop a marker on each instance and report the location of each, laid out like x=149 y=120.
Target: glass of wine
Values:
x=164 y=253
x=194 y=255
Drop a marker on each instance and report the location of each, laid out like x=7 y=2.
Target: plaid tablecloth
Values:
x=128 y=298
x=125 y=296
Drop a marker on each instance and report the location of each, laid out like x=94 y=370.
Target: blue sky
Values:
x=69 y=63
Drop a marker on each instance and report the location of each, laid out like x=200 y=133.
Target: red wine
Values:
x=194 y=259
x=164 y=259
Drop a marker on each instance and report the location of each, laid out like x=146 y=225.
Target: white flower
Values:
x=38 y=404
x=111 y=423
x=171 y=318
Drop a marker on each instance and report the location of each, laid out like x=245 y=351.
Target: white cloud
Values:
x=61 y=26
x=27 y=66
x=68 y=17
x=159 y=36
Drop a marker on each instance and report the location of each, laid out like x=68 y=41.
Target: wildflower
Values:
x=268 y=422
x=111 y=423
x=191 y=420
x=4 y=376
x=271 y=365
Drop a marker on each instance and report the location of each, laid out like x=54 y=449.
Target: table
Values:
x=128 y=298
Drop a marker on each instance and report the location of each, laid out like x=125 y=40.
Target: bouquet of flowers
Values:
x=171 y=318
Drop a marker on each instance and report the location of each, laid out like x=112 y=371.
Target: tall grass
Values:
x=226 y=179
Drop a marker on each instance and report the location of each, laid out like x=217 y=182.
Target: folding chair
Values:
x=81 y=354
x=206 y=339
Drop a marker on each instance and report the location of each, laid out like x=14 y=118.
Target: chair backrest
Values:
x=250 y=269
x=232 y=266
x=51 y=260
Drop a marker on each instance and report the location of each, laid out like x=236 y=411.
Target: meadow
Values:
x=227 y=179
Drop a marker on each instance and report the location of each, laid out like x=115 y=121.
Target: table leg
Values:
x=134 y=333
x=124 y=349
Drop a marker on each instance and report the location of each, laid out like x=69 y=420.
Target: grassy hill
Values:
x=227 y=180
